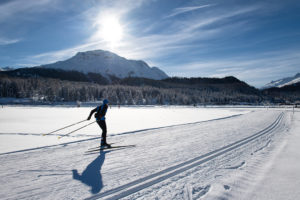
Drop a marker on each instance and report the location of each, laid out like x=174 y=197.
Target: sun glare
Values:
x=110 y=30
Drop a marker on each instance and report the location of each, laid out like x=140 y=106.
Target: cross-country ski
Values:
x=101 y=148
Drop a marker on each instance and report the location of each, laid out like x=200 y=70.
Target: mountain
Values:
x=283 y=82
x=6 y=68
x=107 y=63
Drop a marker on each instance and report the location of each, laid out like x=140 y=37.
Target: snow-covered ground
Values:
x=179 y=153
x=23 y=127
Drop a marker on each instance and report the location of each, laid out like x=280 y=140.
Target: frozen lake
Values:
x=22 y=127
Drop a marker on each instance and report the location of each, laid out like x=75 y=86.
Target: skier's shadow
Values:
x=91 y=176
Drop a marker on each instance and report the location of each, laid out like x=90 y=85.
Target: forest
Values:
x=50 y=85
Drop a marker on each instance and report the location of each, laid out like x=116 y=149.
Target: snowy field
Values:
x=23 y=127
x=178 y=153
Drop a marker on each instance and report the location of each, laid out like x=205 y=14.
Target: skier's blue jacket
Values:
x=100 y=111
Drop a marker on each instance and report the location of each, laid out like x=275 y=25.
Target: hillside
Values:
x=286 y=94
x=39 y=72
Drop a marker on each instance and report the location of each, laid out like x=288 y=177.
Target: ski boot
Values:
x=104 y=144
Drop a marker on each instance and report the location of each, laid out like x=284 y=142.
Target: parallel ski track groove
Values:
x=145 y=182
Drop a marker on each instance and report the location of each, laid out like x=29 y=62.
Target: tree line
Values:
x=56 y=85
x=55 y=90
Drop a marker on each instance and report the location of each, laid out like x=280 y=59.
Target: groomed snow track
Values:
x=145 y=182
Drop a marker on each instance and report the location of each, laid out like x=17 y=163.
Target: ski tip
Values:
x=44 y=134
x=58 y=137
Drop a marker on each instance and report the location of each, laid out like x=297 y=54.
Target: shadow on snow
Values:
x=91 y=176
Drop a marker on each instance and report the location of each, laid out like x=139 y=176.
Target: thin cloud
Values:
x=191 y=30
x=178 y=11
x=255 y=70
x=153 y=46
x=13 y=9
x=197 y=23
x=156 y=45
x=4 y=41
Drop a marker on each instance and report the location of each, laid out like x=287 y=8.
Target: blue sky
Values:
x=256 y=41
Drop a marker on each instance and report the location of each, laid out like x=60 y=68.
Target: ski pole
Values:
x=76 y=130
x=63 y=128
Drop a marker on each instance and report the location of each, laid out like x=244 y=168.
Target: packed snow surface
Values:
x=167 y=153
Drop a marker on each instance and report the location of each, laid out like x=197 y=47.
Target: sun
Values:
x=110 y=29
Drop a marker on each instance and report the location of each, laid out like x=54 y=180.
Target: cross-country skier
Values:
x=100 y=118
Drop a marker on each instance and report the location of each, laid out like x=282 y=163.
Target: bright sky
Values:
x=256 y=41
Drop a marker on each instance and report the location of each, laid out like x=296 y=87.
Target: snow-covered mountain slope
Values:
x=283 y=82
x=6 y=68
x=217 y=159
x=108 y=63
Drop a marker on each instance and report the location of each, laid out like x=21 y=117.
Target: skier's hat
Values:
x=105 y=101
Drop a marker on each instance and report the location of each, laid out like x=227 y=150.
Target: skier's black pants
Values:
x=102 y=125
